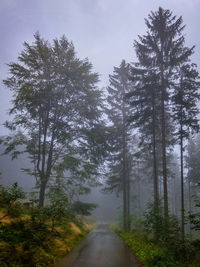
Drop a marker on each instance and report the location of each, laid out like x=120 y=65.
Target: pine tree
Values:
x=185 y=111
x=162 y=50
x=120 y=156
x=144 y=99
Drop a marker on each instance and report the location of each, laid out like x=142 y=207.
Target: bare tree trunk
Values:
x=125 y=166
x=182 y=186
x=175 y=198
x=128 y=194
x=190 y=205
x=124 y=204
x=156 y=193
x=164 y=162
x=155 y=175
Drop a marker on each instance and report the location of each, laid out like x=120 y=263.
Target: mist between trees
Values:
x=139 y=135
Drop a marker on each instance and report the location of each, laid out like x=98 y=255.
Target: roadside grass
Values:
x=152 y=254
x=24 y=242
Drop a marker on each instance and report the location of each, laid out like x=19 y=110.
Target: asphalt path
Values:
x=100 y=248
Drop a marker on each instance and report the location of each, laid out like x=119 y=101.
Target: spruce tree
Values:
x=185 y=111
x=162 y=50
x=120 y=156
x=143 y=99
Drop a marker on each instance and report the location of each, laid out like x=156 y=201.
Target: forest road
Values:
x=100 y=248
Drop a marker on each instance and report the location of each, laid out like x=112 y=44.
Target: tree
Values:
x=144 y=100
x=162 y=51
x=193 y=160
x=120 y=153
x=185 y=111
x=55 y=105
x=193 y=166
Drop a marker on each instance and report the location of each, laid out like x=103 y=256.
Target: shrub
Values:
x=82 y=208
x=9 y=197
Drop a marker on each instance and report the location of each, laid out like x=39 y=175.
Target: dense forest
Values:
x=138 y=137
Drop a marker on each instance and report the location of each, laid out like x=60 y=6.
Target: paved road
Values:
x=100 y=248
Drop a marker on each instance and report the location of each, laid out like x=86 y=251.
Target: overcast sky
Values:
x=102 y=30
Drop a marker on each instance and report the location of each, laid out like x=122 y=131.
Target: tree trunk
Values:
x=42 y=193
x=164 y=162
x=125 y=165
x=156 y=193
x=190 y=205
x=175 y=198
x=124 y=205
x=182 y=186
x=155 y=175
x=128 y=195
x=124 y=187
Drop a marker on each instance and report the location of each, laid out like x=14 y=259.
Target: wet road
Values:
x=100 y=248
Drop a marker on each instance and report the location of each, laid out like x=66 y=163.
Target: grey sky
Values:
x=102 y=30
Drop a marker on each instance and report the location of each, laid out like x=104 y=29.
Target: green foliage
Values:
x=40 y=235
x=55 y=99
x=58 y=208
x=195 y=220
x=160 y=249
x=184 y=100
x=154 y=222
x=194 y=217
x=83 y=208
x=136 y=223
x=148 y=253
x=9 y=197
x=158 y=254
x=22 y=240
x=193 y=160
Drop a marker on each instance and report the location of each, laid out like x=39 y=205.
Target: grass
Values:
x=151 y=254
x=34 y=244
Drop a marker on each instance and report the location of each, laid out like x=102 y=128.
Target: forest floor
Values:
x=100 y=248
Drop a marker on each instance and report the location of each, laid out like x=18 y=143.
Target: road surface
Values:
x=100 y=248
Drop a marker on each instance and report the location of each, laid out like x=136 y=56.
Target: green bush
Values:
x=9 y=197
x=154 y=222
x=23 y=240
x=83 y=208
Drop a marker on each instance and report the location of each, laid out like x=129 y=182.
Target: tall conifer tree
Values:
x=120 y=159
x=162 y=50
x=144 y=100
x=184 y=107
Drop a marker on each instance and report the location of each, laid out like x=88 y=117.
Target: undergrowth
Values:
x=36 y=237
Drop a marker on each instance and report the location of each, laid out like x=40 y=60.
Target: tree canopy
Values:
x=55 y=105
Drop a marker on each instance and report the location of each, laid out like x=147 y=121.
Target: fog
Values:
x=101 y=30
